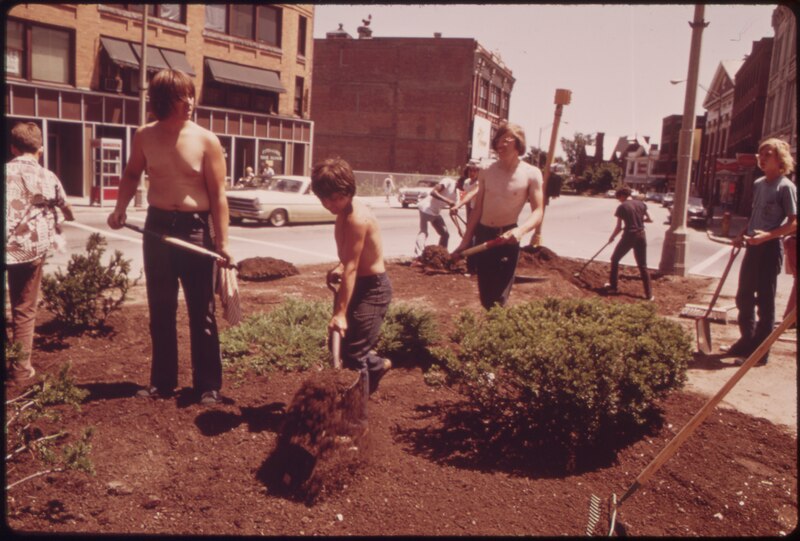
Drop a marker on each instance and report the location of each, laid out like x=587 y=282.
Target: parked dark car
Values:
x=656 y=197
x=696 y=213
x=667 y=200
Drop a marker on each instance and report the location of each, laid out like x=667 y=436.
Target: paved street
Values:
x=574 y=227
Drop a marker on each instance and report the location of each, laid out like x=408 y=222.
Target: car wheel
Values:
x=405 y=205
x=278 y=218
x=237 y=221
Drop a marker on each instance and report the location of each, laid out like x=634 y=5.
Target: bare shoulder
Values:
x=531 y=171
x=362 y=216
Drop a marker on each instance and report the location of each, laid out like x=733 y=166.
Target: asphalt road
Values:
x=574 y=226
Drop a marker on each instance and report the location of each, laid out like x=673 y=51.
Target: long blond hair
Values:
x=782 y=151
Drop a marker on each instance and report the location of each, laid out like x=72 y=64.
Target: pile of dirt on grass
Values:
x=263 y=269
x=436 y=260
x=323 y=440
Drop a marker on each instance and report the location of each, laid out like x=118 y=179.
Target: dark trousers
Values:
x=368 y=306
x=758 y=281
x=24 y=280
x=638 y=242
x=165 y=266
x=495 y=267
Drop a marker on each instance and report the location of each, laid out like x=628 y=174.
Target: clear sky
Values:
x=618 y=60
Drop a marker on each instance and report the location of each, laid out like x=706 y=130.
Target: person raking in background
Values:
x=32 y=195
x=631 y=216
x=186 y=198
x=364 y=290
x=442 y=196
x=774 y=215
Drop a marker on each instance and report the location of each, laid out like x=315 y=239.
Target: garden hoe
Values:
x=703 y=325
x=577 y=274
x=176 y=242
x=673 y=445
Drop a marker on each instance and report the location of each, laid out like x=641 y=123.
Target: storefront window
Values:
x=14 y=48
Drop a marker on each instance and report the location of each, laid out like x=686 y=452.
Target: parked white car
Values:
x=284 y=199
x=412 y=195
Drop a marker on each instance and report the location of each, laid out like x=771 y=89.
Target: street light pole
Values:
x=137 y=199
x=673 y=252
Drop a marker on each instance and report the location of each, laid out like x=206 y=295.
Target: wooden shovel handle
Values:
x=734 y=253
x=704 y=412
x=176 y=242
x=481 y=247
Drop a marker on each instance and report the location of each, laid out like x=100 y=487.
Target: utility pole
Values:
x=673 y=251
x=562 y=98
x=137 y=199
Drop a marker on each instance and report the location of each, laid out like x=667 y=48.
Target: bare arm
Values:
x=760 y=237
x=129 y=182
x=474 y=218
x=469 y=196
x=617 y=229
x=436 y=193
x=354 y=237
x=214 y=174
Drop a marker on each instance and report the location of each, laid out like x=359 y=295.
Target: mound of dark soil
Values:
x=263 y=269
x=323 y=439
x=436 y=259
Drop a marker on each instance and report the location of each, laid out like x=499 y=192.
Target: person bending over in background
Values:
x=633 y=214
x=442 y=196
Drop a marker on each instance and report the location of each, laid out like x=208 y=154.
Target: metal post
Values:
x=562 y=98
x=137 y=200
x=673 y=253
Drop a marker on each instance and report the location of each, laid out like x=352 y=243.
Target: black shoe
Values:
x=738 y=349
x=152 y=392
x=210 y=398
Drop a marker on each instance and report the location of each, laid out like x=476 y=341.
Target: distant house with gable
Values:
x=637 y=157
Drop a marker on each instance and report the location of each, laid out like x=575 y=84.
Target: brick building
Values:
x=666 y=167
x=780 y=118
x=406 y=105
x=74 y=70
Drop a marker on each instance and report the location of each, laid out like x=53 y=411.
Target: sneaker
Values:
x=210 y=398
x=152 y=392
x=377 y=376
x=651 y=298
x=22 y=375
x=608 y=289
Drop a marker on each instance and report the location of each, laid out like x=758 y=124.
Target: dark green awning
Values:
x=120 y=52
x=235 y=74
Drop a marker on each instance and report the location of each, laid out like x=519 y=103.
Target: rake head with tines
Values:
x=594 y=514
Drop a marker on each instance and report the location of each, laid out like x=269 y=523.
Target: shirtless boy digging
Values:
x=364 y=291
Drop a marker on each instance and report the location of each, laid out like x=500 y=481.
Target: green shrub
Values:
x=88 y=292
x=407 y=334
x=563 y=372
x=291 y=337
x=294 y=337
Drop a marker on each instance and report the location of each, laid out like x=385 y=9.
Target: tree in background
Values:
x=575 y=149
x=602 y=177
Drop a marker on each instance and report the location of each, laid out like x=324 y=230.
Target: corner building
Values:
x=406 y=105
x=74 y=70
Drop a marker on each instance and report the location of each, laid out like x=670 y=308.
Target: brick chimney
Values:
x=598 y=146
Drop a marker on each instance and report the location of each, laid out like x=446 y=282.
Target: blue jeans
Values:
x=368 y=307
x=495 y=267
x=438 y=224
x=164 y=267
x=758 y=281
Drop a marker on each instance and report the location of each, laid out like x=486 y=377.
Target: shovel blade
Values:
x=703 y=327
x=336 y=349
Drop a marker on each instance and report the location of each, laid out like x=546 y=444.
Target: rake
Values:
x=672 y=447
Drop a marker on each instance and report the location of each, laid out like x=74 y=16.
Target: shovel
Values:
x=577 y=274
x=703 y=325
x=672 y=447
x=176 y=242
x=499 y=241
x=336 y=338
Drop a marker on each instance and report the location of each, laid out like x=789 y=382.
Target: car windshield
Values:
x=695 y=202
x=286 y=185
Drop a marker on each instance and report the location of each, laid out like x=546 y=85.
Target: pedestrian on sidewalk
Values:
x=503 y=188
x=32 y=195
x=388 y=187
x=633 y=214
x=186 y=197
x=774 y=215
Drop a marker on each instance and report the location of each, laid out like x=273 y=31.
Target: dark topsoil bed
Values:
x=174 y=467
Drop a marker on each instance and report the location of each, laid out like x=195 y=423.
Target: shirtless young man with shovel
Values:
x=503 y=188
x=186 y=197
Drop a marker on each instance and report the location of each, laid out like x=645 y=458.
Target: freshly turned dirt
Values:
x=436 y=259
x=263 y=269
x=174 y=467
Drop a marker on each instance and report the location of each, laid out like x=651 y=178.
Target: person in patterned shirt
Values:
x=32 y=195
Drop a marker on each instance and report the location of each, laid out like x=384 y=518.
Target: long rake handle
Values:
x=592 y=259
x=734 y=253
x=704 y=412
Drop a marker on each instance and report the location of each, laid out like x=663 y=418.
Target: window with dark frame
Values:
x=170 y=12
x=302 y=29
x=298 y=96
x=260 y=23
x=483 y=95
x=39 y=53
x=494 y=100
x=216 y=94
